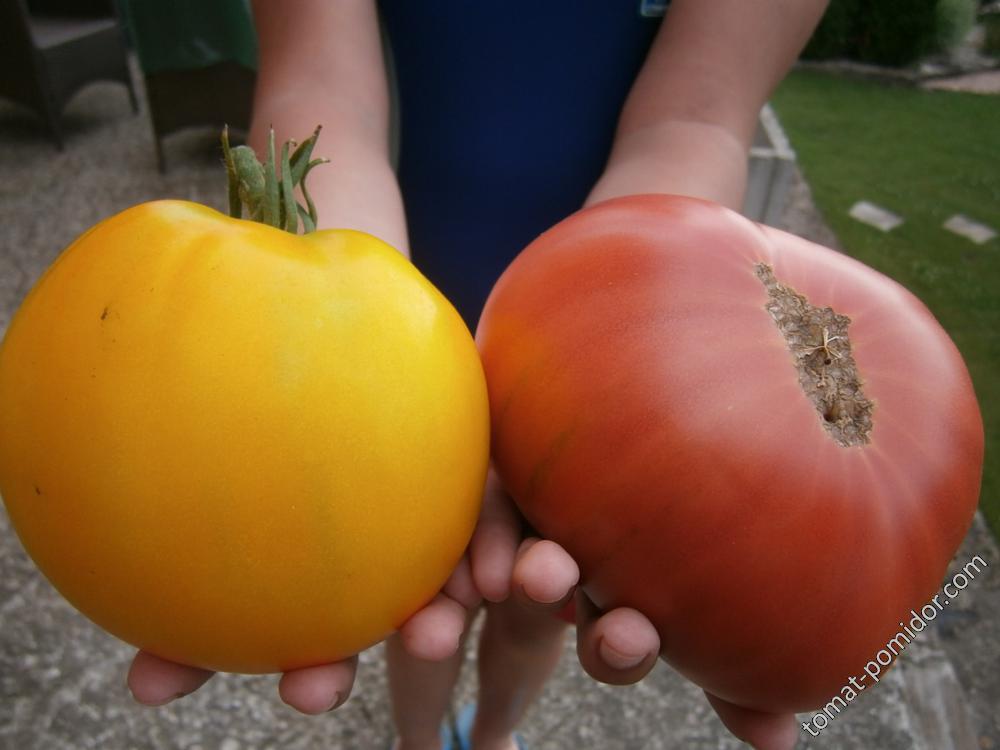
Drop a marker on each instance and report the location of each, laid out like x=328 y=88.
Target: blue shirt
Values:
x=508 y=111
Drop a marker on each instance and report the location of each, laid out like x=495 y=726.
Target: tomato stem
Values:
x=267 y=195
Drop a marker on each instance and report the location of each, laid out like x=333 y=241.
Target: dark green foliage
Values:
x=955 y=20
x=884 y=32
x=834 y=37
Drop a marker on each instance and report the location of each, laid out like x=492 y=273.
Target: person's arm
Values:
x=321 y=62
x=686 y=128
x=690 y=117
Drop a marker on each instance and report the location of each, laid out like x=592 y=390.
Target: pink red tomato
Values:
x=648 y=363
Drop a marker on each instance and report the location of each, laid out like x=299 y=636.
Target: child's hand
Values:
x=432 y=634
x=619 y=647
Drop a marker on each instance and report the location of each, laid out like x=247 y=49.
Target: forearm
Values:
x=682 y=157
x=690 y=117
x=322 y=63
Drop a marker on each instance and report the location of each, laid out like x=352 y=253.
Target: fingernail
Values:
x=165 y=701
x=336 y=702
x=619 y=659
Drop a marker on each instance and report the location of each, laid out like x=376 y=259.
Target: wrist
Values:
x=698 y=159
x=360 y=191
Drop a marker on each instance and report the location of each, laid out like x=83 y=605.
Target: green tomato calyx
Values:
x=267 y=194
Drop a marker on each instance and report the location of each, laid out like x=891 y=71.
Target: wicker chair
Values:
x=48 y=51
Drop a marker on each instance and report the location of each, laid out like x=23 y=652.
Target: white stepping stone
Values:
x=876 y=216
x=972 y=230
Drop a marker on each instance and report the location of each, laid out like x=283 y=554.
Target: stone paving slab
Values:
x=970 y=229
x=875 y=216
x=981 y=82
x=62 y=679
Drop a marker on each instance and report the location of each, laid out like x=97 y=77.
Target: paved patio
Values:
x=62 y=681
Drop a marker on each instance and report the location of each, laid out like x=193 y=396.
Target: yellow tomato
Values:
x=236 y=447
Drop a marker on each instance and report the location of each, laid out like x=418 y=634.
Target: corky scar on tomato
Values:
x=821 y=348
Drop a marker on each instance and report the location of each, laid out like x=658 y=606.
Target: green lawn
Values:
x=924 y=155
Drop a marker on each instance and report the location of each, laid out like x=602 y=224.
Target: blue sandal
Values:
x=463 y=729
x=448 y=737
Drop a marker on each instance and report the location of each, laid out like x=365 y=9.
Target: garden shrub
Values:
x=889 y=32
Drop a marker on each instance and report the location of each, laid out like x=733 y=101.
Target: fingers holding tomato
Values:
x=432 y=634
x=619 y=647
x=495 y=542
x=154 y=681
x=544 y=575
x=761 y=730
x=315 y=690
